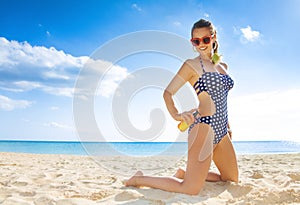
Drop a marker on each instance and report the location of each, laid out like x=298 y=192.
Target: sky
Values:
x=45 y=46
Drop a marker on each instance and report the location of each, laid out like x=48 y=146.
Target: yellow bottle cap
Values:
x=182 y=126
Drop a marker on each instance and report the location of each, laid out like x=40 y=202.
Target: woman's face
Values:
x=202 y=48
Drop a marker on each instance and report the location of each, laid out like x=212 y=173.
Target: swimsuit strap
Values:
x=202 y=64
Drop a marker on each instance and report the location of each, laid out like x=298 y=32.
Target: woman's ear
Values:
x=214 y=36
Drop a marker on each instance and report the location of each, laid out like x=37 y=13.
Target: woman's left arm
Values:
x=225 y=66
x=229 y=131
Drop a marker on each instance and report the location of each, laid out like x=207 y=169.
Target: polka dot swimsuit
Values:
x=217 y=86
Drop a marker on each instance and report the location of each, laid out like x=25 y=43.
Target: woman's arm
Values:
x=229 y=131
x=228 y=125
x=183 y=75
x=224 y=65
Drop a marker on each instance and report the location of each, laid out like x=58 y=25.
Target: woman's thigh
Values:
x=199 y=156
x=225 y=159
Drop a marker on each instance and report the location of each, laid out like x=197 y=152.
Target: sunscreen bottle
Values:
x=182 y=126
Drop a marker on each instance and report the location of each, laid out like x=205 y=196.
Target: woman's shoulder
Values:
x=224 y=65
x=191 y=62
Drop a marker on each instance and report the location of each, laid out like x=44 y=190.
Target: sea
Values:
x=138 y=148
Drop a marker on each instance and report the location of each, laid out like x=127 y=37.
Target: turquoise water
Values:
x=138 y=148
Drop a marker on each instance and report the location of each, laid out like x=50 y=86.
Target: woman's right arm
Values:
x=183 y=75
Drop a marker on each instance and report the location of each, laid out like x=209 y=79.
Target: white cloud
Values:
x=206 y=15
x=23 y=86
x=58 y=125
x=67 y=92
x=108 y=76
x=26 y=85
x=54 y=108
x=20 y=55
x=55 y=75
x=111 y=81
x=16 y=90
x=8 y=104
x=249 y=35
x=266 y=116
x=177 y=23
x=50 y=70
x=48 y=33
x=136 y=7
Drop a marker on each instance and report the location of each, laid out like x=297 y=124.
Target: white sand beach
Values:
x=69 y=180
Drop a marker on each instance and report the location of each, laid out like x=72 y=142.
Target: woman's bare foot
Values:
x=179 y=174
x=132 y=180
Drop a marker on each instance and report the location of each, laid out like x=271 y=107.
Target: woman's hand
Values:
x=186 y=116
x=230 y=133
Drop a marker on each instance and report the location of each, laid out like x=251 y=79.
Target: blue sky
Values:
x=44 y=44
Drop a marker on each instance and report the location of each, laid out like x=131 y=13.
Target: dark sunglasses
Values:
x=197 y=41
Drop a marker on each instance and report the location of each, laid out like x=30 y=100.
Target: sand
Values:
x=69 y=180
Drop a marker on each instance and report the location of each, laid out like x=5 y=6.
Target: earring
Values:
x=194 y=49
x=214 y=45
x=216 y=58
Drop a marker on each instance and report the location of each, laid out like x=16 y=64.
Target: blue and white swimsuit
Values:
x=217 y=86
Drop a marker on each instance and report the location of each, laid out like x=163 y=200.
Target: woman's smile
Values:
x=203 y=48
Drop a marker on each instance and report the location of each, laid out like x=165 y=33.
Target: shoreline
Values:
x=140 y=156
x=139 y=148
x=73 y=179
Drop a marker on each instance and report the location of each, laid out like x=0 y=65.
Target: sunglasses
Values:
x=197 y=41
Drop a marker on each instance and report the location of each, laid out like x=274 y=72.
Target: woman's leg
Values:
x=196 y=171
x=211 y=176
x=225 y=160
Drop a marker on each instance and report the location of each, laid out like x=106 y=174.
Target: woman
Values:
x=208 y=134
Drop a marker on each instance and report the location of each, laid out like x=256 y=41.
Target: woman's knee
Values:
x=232 y=178
x=235 y=178
x=191 y=188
